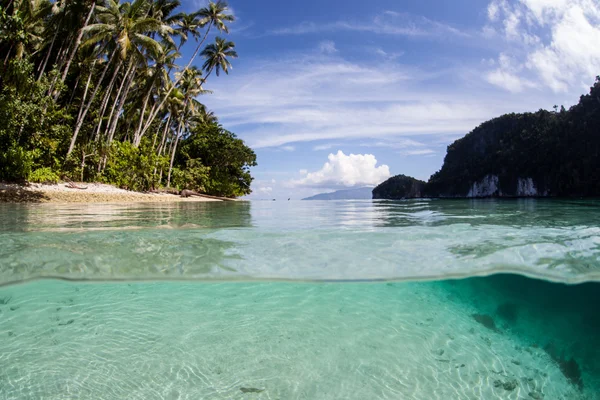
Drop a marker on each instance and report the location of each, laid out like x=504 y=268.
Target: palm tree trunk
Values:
x=43 y=66
x=87 y=87
x=151 y=117
x=83 y=114
x=77 y=43
x=74 y=90
x=174 y=150
x=129 y=76
x=106 y=98
x=136 y=137
x=164 y=136
x=8 y=54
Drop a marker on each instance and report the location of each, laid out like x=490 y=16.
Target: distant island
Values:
x=542 y=154
x=363 y=193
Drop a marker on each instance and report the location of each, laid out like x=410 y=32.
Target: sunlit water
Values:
x=348 y=321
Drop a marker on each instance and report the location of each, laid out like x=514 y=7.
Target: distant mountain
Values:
x=364 y=193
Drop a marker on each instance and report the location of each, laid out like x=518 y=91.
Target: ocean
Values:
x=423 y=299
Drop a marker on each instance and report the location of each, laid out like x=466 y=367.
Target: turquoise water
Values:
x=301 y=300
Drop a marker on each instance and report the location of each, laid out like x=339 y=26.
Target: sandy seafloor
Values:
x=175 y=340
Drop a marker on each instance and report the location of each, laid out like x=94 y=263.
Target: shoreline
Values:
x=94 y=193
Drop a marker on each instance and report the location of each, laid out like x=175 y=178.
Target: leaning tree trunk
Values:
x=106 y=98
x=77 y=43
x=174 y=150
x=49 y=52
x=113 y=126
x=162 y=103
x=136 y=136
x=87 y=107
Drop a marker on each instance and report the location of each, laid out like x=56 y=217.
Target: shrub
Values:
x=43 y=175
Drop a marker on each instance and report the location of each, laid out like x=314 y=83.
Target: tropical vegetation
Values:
x=556 y=152
x=98 y=90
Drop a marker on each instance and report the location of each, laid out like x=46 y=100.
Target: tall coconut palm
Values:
x=128 y=27
x=217 y=57
x=190 y=84
x=78 y=39
x=158 y=76
x=215 y=15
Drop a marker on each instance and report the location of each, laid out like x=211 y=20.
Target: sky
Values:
x=336 y=94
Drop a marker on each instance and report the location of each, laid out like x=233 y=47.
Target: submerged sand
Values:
x=93 y=193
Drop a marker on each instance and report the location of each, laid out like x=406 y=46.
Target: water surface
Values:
x=337 y=313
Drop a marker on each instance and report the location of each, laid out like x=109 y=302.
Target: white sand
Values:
x=94 y=193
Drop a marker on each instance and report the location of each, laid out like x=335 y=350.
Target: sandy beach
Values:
x=94 y=193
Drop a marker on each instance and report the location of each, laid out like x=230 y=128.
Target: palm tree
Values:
x=216 y=14
x=158 y=75
x=127 y=27
x=190 y=84
x=217 y=57
x=28 y=16
x=78 y=40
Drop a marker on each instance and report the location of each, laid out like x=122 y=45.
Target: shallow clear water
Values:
x=224 y=336
x=346 y=240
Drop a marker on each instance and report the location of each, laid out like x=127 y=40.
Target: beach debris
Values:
x=536 y=395
x=72 y=185
x=69 y=322
x=486 y=321
x=508 y=311
x=251 y=390
x=5 y=300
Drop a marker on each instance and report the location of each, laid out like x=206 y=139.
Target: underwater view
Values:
x=440 y=299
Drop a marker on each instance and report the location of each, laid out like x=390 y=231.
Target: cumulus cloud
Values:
x=346 y=170
x=554 y=43
x=265 y=189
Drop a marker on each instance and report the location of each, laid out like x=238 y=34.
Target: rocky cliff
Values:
x=546 y=153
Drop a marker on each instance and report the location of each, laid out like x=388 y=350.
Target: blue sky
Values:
x=345 y=93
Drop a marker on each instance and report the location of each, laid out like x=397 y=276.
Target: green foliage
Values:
x=559 y=150
x=131 y=167
x=32 y=128
x=15 y=164
x=399 y=187
x=194 y=176
x=227 y=156
x=84 y=84
x=43 y=175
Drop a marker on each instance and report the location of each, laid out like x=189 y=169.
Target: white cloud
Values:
x=420 y=152
x=327 y=47
x=265 y=189
x=387 y=23
x=388 y=55
x=346 y=170
x=554 y=42
x=326 y=146
x=288 y=148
